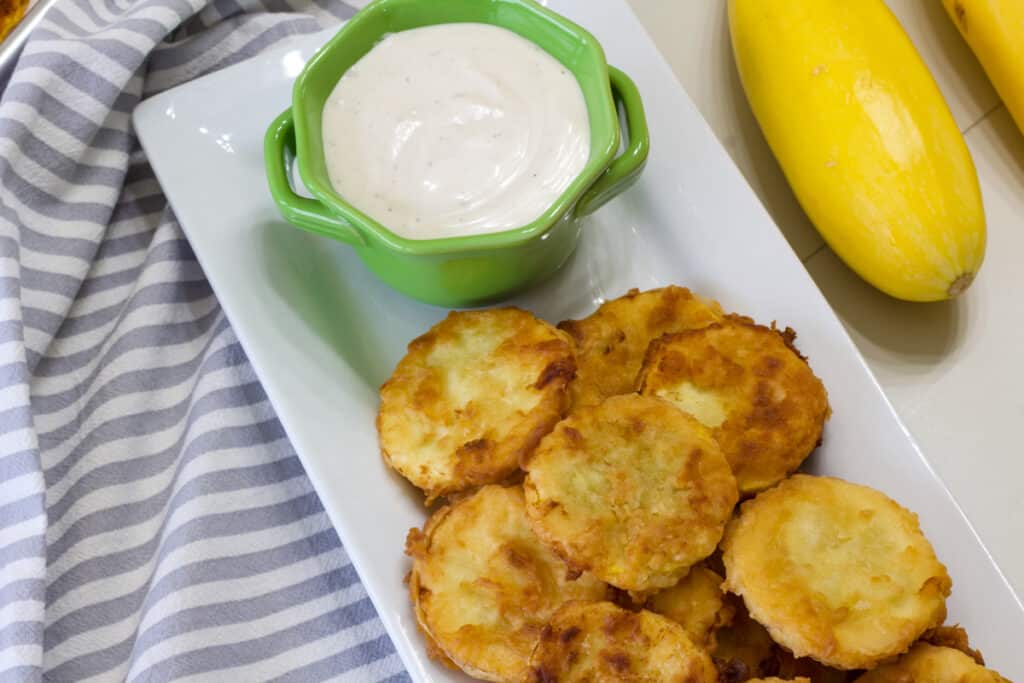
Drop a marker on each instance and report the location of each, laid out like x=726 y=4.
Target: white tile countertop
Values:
x=954 y=370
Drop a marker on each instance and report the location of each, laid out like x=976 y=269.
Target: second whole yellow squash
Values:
x=865 y=139
x=995 y=31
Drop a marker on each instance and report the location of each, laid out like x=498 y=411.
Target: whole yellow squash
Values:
x=865 y=139
x=995 y=31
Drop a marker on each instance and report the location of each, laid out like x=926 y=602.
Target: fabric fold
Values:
x=155 y=523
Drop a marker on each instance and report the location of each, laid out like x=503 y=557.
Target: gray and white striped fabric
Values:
x=155 y=523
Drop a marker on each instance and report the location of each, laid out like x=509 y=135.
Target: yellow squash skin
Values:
x=865 y=139
x=995 y=31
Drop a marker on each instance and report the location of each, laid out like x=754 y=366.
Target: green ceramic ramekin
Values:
x=458 y=271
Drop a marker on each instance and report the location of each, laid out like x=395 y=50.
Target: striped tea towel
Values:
x=155 y=523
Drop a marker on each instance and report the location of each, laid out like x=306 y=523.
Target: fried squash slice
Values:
x=835 y=571
x=473 y=396
x=927 y=663
x=598 y=641
x=633 y=490
x=743 y=650
x=749 y=385
x=11 y=12
x=483 y=586
x=612 y=341
x=696 y=603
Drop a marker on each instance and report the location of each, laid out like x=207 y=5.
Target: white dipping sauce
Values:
x=455 y=129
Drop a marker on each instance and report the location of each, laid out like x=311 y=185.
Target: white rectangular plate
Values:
x=323 y=334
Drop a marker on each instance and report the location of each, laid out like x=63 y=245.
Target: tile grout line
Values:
x=813 y=253
x=984 y=116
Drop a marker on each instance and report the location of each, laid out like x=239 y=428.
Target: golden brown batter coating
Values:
x=927 y=663
x=696 y=603
x=597 y=641
x=471 y=397
x=483 y=586
x=835 y=571
x=612 y=341
x=633 y=489
x=11 y=12
x=743 y=650
x=747 y=384
x=954 y=637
